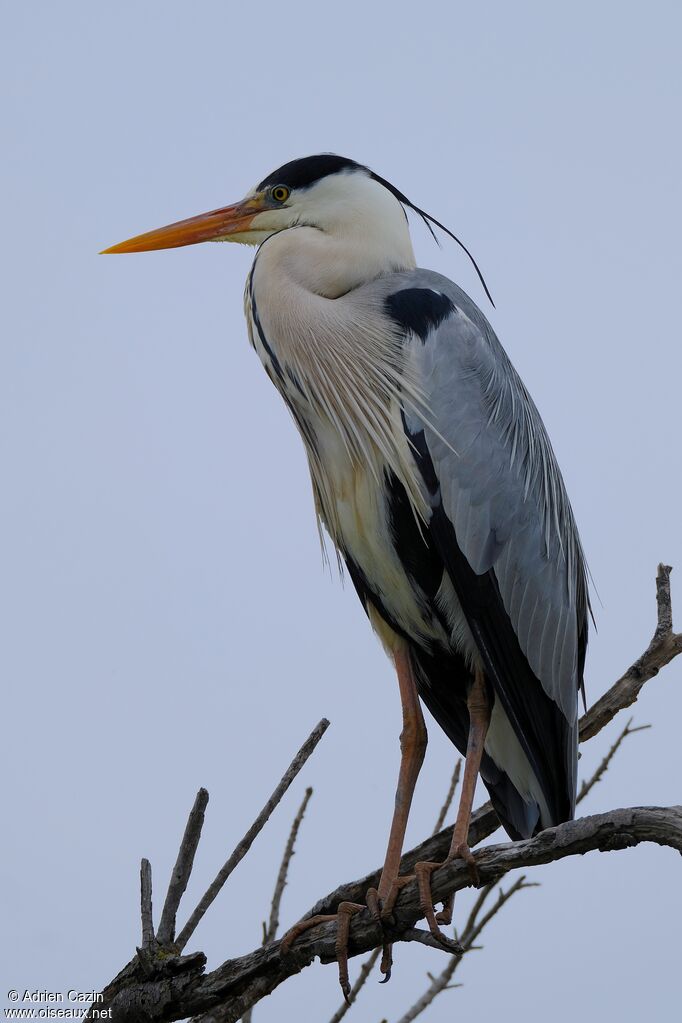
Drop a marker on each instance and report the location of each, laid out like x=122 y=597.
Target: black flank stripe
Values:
x=420 y=559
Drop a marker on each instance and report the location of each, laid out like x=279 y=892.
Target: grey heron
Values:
x=434 y=477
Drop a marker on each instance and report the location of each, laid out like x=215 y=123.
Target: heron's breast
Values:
x=356 y=511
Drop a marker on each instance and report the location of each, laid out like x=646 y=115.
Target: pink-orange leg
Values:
x=413 y=740
x=479 y=720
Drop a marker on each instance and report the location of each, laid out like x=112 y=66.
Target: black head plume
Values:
x=429 y=221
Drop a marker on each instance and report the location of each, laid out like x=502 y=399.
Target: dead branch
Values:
x=270 y=930
x=146 y=904
x=473 y=927
x=601 y=770
x=664 y=646
x=178 y=988
x=155 y=987
x=357 y=987
x=183 y=868
x=247 y=841
x=454 y=781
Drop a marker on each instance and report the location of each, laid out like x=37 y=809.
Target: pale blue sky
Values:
x=166 y=620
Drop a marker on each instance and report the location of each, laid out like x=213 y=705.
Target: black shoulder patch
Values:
x=419 y=309
x=305 y=172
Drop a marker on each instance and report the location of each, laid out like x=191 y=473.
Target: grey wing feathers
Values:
x=502 y=525
x=502 y=490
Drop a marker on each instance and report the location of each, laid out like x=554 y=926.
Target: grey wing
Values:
x=502 y=522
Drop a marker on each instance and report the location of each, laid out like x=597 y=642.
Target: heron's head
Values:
x=328 y=193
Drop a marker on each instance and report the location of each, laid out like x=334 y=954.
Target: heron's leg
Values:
x=479 y=720
x=413 y=740
x=412 y=748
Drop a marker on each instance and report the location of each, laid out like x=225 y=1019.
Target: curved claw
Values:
x=386 y=962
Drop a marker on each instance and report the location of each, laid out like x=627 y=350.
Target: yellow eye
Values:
x=280 y=193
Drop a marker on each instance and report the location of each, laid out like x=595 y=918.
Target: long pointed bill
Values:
x=206 y=227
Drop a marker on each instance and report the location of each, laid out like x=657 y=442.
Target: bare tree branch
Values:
x=257 y=826
x=588 y=785
x=156 y=987
x=472 y=929
x=240 y=983
x=270 y=930
x=664 y=646
x=273 y=923
x=357 y=987
x=182 y=868
x=454 y=781
x=146 y=904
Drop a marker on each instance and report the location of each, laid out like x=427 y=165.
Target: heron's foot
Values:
x=464 y=853
x=423 y=872
x=343 y=916
x=381 y=910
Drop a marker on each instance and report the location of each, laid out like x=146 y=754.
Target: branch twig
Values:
x=270 y=930
x=588 y=785
x=664 y=646
x=448 y=799
x=146 y=904
x=357 y=987
x=472 y=929
x=182 y=868
x=257 y=826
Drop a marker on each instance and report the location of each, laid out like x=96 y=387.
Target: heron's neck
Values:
x=332 y=263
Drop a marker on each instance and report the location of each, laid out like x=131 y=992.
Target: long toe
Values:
x=423 y=872
x=343 y=916
x=300 y=928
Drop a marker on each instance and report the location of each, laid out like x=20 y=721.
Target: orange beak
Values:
x=207 y=227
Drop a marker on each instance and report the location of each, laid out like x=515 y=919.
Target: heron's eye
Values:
x=280 y=193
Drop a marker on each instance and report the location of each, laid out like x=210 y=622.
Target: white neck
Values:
x=320 y=328
x=360 y=233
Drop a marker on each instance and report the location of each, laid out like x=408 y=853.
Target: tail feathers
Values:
x=443 y=681
x=520 y=818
